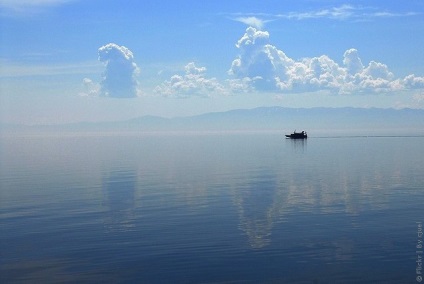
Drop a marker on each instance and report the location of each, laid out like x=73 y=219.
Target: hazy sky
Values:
x=92 y=60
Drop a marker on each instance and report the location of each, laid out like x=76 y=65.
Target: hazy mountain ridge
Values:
x=261 y=118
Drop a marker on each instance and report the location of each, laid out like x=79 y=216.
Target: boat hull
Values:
x=297 y=135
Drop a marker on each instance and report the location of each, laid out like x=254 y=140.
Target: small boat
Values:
x=297 y=135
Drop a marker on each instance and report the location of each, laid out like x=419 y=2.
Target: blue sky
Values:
x=73 y=60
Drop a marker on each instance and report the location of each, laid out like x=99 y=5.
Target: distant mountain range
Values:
x=262 y=119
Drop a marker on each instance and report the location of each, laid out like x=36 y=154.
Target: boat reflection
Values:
x=299 y=145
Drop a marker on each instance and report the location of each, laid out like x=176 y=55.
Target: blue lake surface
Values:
x=209 y=208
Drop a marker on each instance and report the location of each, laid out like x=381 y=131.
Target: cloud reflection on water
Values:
x=119 y=189
x=207 y=202
x=265 y=186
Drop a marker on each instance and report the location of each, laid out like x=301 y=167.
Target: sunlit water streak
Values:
x=210 y=208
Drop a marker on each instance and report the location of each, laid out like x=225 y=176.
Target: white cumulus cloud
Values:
x=91 y=88
x=193 y=83
x=263 y=66
x=352 y=61
x=119 y=78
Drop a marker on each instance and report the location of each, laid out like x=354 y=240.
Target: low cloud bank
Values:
x=265 y=67
x=193 y=83
x=259 y=67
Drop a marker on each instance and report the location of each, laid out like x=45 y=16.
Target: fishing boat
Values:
x=297 y=135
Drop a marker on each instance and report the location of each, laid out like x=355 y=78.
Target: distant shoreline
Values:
x=317 y=121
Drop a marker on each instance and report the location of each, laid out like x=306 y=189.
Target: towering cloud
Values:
x=352 y=61
x=264 y=67
x=258 y=60
x=119 y=78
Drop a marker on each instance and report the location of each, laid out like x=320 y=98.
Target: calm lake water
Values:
x=210 y=208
